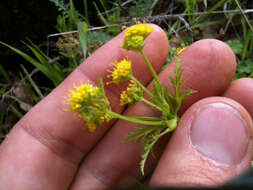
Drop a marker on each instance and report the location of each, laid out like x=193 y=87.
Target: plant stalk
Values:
x=135 y=120
x=150 y=66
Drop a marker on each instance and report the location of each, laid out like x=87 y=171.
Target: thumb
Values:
x=211 y=145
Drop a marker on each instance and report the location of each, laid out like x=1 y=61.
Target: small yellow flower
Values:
x=90 y=103
x=180 y=50
x=121 y=71
x=135 y=36
x=123 y=27
x=92 y=126
x=131 y=95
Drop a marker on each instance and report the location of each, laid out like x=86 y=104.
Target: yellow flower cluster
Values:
x=131 y=95
x=89 y=102
x=135 y=36
x=81 y=95
x=121 y=71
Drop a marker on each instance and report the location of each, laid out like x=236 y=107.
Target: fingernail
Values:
x=219 y=133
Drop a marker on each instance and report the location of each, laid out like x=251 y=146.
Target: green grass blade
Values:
x=173 y=27
x=74 y=20
x=31 y=92
x=85 y=3
x=246 y=45
x=17 y=113
x=206 y=24
x=1 y=116
x=244 y=28
x=46 y=69
x=251 y=43
x=103 y=19
x=216 y=6
x=56 y=73
x=4 y=73
x=28 y=58
x=19 y=99
x=37 y=54
x=83 y=36
x=37 y=49
x=103 y=4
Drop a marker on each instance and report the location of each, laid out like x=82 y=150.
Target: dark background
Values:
x=32 y=19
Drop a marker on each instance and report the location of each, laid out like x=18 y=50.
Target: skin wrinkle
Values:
x=102 y=176
x=49 y=144
x=97 y=175
x=209 y=175
x=116 y=172
x=118 y=175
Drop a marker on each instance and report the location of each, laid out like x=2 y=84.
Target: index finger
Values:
x=56 y=140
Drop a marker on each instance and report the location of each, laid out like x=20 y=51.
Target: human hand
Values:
x=51 y=149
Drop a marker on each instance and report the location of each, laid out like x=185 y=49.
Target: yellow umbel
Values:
x=131 y=95
x=89 y=103
x=121 y=71
x=135 y=36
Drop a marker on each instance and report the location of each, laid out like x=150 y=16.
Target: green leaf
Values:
x=149 y=145
x=245 y=66
x=61 y=23
x=236 y=46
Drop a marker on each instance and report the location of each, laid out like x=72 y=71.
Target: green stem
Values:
x=151 y=104
x=150 y=66
x=148 y=118
x=142 y=87
x=135 y=120
x=86 y=11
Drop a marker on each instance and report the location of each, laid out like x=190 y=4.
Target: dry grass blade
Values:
x=32 y=82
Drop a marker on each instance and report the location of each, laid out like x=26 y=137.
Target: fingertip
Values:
x=215 y=59
x=241 y=90
x=209 y=67
x=202 y=151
